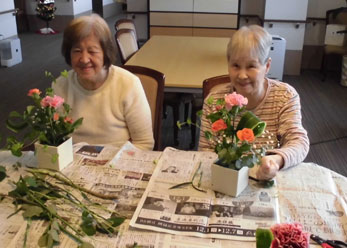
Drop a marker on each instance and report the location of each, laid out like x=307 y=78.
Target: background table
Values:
x=185 y=61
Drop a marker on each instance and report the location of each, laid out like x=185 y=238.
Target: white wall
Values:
x=8 y=25
x=81 y=6
x=105 y=2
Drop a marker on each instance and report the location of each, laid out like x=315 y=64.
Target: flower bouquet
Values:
x=47 y=123
x=283 y=235
x=233 y=143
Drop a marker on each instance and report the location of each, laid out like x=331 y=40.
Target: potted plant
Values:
x=47 y=125
x=233 y=144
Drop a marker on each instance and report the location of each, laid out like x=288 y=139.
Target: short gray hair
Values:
x=254 y=39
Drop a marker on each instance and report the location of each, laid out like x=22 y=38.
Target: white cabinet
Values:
x=293 y=33
x=285 y=10
x=171 y=5
x=8 y=26
x=216 y=6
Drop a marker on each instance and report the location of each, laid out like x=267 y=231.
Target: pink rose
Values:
x=218 y=125
x=54 y=102
x=289 y=235
x=34 y=91
x=235 y=99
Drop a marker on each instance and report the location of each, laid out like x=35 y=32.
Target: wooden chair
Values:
x=208 y=84
x=128 y=24
x=334 y=16
x=127 y=44
x=153 y=83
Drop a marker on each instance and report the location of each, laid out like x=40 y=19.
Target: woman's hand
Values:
x=270 y=165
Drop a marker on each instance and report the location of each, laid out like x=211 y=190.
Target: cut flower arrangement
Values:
x=46 y=121
x=283 y=235
x=233 y=144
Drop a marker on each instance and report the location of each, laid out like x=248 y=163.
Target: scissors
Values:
x=326 y=243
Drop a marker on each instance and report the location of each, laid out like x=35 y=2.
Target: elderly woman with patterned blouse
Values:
x=276 y=103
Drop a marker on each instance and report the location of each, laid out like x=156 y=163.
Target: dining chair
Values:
x=197 y=104
x=334 y=44
x=209 y=83
x=153 y=84
x=128 y=24
x=127 y=44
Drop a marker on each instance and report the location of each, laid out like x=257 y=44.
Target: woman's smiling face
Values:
x=247 y=74
x=87 y=59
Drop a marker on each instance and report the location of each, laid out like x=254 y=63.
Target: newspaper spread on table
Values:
x=187 y=211
x=309 y=194
x=123 y=172
x=315 y=197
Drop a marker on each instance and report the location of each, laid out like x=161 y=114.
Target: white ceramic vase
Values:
x=229 y=181
x=54 y=157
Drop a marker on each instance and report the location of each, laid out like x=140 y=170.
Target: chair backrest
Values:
x=209 y=83
x=153 y=84
x=337 y=16
x=125 y=24
x=127 y=44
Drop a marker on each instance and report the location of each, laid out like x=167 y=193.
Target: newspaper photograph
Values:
x=187 y=211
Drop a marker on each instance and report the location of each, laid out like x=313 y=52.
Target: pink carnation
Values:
x=34 y=91
x=54 y=102
x=235 y=99
x=289 y=235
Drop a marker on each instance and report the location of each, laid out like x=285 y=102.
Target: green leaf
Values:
x=199 y=113
x=264 y=238
x=64 y=73
x=53 y=210
x=86 y=245
x=210 y=100
x=14 y=126
x=116 y=221
x=189 y=121
x=77 y=123
x=43 y=240
x=88 y=228
x=2 y=173
x=15 y=114
x=54 y=235
x=178 y=123
x=208 y=135
x=30 y=108
x=31 y=211
x=30 y=181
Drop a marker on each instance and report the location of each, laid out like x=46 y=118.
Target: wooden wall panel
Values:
x=215 y=20
x=171 y=19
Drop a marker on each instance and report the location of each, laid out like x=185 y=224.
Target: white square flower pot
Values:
x=228 y=181
x=54 y=157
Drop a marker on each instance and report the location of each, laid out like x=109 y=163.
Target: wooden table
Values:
x=186 y=61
